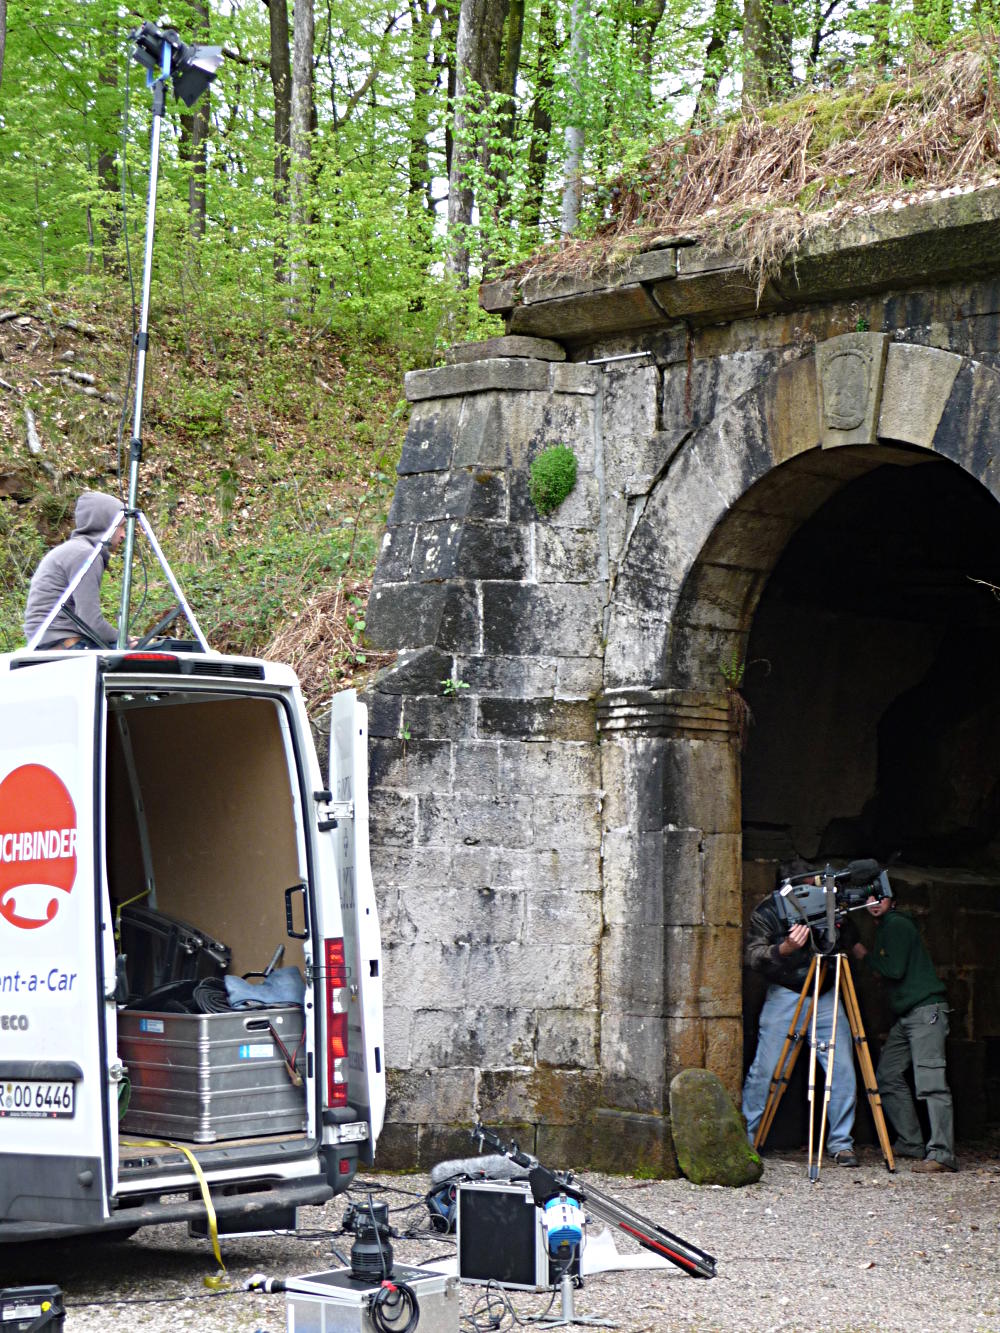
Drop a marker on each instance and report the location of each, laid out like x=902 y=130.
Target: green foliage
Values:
x=552 y=477
x=733 y=669
x=451 y=686
x=22 y=542
x=356 y=627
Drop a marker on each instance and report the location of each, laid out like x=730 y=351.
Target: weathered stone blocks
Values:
x=918 y=384
x=557 y=848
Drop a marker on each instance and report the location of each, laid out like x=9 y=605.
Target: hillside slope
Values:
x=268 y=465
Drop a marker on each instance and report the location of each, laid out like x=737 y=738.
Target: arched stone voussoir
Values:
x=710 y=511
x=969 y=427
x=704 y=481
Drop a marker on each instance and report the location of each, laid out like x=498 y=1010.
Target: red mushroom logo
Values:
x=37 y=846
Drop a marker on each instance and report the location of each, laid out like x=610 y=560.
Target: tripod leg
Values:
x=786 y=1062
x=830 y=1056
x=853 y=1010
x=813 y=1170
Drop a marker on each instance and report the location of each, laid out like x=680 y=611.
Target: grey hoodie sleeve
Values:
x=87 y=603
x=49 y=582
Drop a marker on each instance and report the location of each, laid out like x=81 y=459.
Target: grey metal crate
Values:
x=335 y=1302
x=205 y=1077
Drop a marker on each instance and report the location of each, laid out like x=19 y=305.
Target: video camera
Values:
x=821 y=899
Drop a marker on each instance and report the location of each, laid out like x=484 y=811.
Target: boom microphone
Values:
x=861 y=872
x=490 y=1166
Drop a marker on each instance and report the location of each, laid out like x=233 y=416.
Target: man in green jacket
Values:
x=917 y=1038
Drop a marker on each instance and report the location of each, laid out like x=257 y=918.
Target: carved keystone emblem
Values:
x=851 y=370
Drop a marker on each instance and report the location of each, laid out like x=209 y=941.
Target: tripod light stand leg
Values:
x=813 y=1168
x=864 y=1058
x=830 y=1056
x=786 y=1062
x=568 y=1314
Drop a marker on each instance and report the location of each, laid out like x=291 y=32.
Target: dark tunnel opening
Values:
x=874 y=692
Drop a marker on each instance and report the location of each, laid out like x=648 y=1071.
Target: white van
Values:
x=185 y=786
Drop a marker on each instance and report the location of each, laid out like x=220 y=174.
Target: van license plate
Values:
x=36 y=1100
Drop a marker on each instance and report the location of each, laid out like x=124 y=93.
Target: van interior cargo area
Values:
x=203 y=839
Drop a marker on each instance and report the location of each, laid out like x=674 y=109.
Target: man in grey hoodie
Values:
x=95 y=513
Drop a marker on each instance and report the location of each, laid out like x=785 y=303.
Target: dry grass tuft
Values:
x=757 y=185
x=322 y=643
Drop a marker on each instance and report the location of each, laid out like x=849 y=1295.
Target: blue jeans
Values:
x=775 y=1020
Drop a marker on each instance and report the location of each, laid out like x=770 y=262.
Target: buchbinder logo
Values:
x=37 y=846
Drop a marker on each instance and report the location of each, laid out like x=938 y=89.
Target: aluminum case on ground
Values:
x=335 y=1302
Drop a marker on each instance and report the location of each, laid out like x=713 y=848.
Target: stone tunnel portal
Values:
x=872 y=682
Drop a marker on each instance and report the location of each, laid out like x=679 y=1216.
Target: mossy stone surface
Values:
x=709 y=1134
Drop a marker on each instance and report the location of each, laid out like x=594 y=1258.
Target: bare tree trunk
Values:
x=723 y=22
x=280 y=70
x=107 y=165
x=449 y=41
x=767 y=51
x=507 y=113
x=477 y=60
x=541 y=115
x=573 y=159
x=422 y=79
x=194 y=138
x=303 y=43
x=194 y=133
x=648 y=14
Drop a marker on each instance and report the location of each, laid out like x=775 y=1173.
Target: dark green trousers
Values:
x=918 y=1039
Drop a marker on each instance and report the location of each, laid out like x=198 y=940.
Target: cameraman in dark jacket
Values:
x=917 y=1038
x=782 y=954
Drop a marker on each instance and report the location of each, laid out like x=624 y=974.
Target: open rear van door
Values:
x=56 y=950
x=348 y=784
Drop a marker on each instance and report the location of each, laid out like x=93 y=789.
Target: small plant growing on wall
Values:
x=733 y=669
x=552 y=477
x=451 y=685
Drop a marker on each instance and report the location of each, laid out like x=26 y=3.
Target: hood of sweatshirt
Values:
x=94 y=514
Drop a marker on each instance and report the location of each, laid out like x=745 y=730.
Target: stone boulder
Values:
x=709 y=1134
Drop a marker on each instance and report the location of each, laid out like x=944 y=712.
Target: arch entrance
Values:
x=876 y=732
x=809 y=556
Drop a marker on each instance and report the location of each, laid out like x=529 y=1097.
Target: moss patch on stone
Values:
x=553 y=476
x=709 y=1134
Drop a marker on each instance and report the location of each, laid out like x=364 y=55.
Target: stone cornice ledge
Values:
x=951 y=237
x=500 y=373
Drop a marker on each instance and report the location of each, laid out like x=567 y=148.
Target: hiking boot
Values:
x=846 y=1158
x=931 y=1166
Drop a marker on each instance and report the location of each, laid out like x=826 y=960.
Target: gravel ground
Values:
x=859 y=1250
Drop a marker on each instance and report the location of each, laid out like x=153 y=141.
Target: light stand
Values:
x=192 y=69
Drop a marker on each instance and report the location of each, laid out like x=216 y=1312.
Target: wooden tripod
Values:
x=843 y=988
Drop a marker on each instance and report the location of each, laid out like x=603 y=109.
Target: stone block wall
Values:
x=487 y=792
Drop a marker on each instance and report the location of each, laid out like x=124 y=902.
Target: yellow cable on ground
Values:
x=213 y=1223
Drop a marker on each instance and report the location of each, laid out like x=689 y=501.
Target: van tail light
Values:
x=336 y=1002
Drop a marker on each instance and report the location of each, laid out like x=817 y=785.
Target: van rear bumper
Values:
x=269 y=1195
